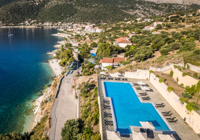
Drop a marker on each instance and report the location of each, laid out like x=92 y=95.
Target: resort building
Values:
x=137 y=106
x=148 y=28
x=122 y=42
x=156 y=23
x=115 y=62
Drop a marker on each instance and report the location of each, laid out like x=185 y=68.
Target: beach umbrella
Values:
x=165 y=137
x=147 y=125
x=141 y=83
x=145 y=88
x=111 y=135
x=138 y=136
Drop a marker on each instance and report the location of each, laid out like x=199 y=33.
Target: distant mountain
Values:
x=96 y=11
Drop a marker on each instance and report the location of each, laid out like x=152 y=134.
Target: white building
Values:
x=122 y=42
x=148 y=28
x=110 y=62
x=156 y=23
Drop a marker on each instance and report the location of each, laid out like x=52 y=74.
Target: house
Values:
x=131 y=34
x=138 y=19
x=75 y=44
x=115 y=62
x=198 y=11
x=155 y=32
x=148 y=28
x=175 y=15
x=147 y=20
x=122 y=42
x=156 y=23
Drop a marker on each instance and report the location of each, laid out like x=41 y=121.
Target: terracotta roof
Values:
x=111 y=60
x=122 y=40
x=118 y=59
x=106 y=60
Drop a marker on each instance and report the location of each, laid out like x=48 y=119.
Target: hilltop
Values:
x=95 y=11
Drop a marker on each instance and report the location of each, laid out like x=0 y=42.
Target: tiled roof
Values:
x=118 y=59
x=111 y=60
x=122 y=40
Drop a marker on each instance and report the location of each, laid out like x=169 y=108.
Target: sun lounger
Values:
x=150 y=133
x=107 y=114
x=173 y=121
x=106 y=107
x=146 y=98
x=143 y=94
x=166 y=112
x=108 y=122
x=105 y=101
x=159 y=105
x=125 y=79
x=136 y=84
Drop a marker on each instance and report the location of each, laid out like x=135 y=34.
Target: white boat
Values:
x=9 y=33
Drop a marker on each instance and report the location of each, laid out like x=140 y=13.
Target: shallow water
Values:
x=23 y=74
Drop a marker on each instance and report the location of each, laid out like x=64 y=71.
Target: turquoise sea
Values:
x=23 y=74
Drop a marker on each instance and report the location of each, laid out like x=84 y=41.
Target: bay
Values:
x=23 y=74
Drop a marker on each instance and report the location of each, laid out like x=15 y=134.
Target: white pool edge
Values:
x=139 y=97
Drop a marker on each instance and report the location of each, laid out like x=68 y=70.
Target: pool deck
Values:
x=184 y=132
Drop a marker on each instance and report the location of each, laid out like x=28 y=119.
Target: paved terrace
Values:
x=181 y=128
x=65 y=108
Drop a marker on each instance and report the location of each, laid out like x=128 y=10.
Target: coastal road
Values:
x=65 y=108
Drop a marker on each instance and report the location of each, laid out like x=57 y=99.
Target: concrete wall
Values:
x=105 y=65
x=187 y=2
x=194 y=68
x=139 y=74
x=186 y=80
x=192 y=118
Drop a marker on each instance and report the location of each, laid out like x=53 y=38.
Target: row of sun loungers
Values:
x=108 y=122
x=110 y=78
x=173 y=120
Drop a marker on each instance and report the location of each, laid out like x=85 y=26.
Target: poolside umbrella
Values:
x=103 y=73
x=141 y=83
x=145 y=88
x=138 y=136
x=147 y=125
x=111 y=135
x=165 y=137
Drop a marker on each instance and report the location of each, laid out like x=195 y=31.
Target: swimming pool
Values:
x=129 y=110
x=93 y=54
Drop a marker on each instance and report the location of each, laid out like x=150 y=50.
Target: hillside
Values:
x=97 y=11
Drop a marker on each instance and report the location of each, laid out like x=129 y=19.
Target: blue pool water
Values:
x=93 y=54
x=129 y=110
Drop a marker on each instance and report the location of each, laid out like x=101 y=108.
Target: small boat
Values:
x=9 y=33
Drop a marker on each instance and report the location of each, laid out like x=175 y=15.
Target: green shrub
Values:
x=191 y=106
x=187 y=95
x=182 y=84
x=171 y=73
x=162 y=80
x=71 y=129
x=170 y=89
x=184 y=74
x=177 y=79
x=195 y=75
x=188 y=66
x=183 y=100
